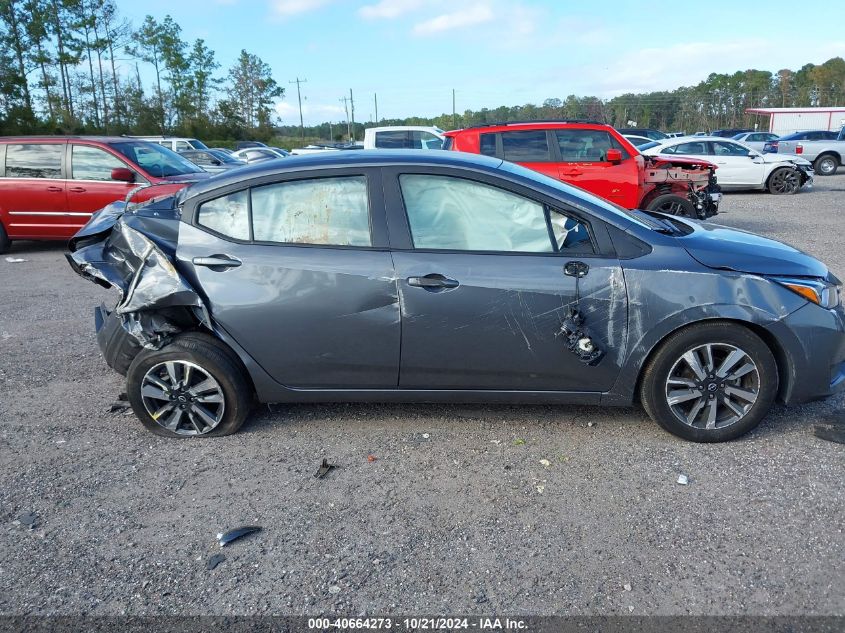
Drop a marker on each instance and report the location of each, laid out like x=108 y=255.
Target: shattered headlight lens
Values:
x=821 y=292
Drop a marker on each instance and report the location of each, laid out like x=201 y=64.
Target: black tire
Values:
x=673 y=205
x=826 y=165
x=784 y=181
x=208 y=358
x=723 y=338
x=5 y=242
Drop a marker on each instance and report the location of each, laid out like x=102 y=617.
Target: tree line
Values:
x=74 y=67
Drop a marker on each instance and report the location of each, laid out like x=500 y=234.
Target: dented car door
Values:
x=297 y=272
x=486 y=290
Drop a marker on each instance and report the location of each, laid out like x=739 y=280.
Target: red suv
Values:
x=597 y=158
x=50 y=186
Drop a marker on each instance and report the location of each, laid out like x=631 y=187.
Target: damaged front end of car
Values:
x=689 y=178
x=131 y=248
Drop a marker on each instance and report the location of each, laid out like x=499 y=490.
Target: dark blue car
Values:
x=447 y=277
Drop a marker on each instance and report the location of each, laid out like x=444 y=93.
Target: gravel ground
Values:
x=457 y=514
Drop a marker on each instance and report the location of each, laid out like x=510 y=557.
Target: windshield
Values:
x=223 y=156
x=156 y=160
x=197 y=144
x=646 y=146
x=542 y=179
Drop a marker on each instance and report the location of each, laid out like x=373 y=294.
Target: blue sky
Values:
x=412 y=53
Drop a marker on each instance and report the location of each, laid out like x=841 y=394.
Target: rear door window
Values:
x=585 y=146
x=328 y=211
x=92 y=163
x=33 y=160
x=420 y=139
x=696 y=148
x=530 y=146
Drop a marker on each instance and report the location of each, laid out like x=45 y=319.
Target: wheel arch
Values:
x=782 y=360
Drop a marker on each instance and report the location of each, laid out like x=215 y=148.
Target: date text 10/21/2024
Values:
x=418 y=624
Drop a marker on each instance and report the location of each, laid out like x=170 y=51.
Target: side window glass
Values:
x=330 y=211
x=182 y=146
x=488 y=144
x=227 y=215
x=698 y=148
x=525 y=147
x=455 y=214
x=91 y=163
x=425 y=140
x=34 y=161
x=721 y=148
x=392 y=140
x=167 y=144
x=586 y=146
x=570 y=234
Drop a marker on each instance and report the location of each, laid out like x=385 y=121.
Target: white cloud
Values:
x=389 y=9
x=288 y=8
x=650 y=69
x=469 y=16
x=311 y=113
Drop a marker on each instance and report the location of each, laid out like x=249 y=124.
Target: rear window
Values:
x=530 y=146
x=34 y=161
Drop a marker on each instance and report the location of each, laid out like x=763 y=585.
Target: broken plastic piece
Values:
x=578 y=339
x=29 y=519
x=16 y=260
x=324 y=469
x=683 y=479
x=371 y=458
x=224 y=538
x=214 y=561
x=830 y=433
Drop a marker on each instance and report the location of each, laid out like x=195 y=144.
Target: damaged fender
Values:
x=112 y=253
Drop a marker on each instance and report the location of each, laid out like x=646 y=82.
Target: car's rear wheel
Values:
x=826 y=165
x=5 y=242
x=192 y=387
x=784 y=181
x=673 y=205
x=710 y=382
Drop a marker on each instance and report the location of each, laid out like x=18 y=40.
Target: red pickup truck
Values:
x=51 y=185
x=597 y=158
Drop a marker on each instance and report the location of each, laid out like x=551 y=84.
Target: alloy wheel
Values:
x=785 y=181
x=712 y=386
x=183 y=398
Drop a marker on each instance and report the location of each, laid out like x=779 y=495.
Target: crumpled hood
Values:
x=724 y=248
x=785 y=158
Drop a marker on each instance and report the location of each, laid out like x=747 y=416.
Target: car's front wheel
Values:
x=710 y=382
x=192 y=387
x=784 y=180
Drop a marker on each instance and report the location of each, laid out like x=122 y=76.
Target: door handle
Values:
x=217 y=262
x=433 y=281
x=77 y=189
x=55 y=189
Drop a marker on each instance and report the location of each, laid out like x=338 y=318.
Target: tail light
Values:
x=799 y=149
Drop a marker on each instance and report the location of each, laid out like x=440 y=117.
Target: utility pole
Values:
x=375 y=100
x=454 y=118
x=299 y=96
x=352 y=107
x=346 y=108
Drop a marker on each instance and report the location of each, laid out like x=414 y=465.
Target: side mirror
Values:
x=613 y=156
x=123 y=174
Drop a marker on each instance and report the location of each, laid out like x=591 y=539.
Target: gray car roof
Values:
x=346 y=158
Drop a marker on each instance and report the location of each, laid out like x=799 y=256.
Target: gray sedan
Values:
x=449 y=277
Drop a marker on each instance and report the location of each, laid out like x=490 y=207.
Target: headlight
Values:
x=824 y=293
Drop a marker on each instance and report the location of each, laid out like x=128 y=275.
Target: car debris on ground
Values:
x=683 y=479
x=324 y=469
x=225 y=538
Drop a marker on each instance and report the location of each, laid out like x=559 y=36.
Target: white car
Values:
x=404 y=137
x=755 y=140
x=739 y=166
x=636 y=141
x=258 y=154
